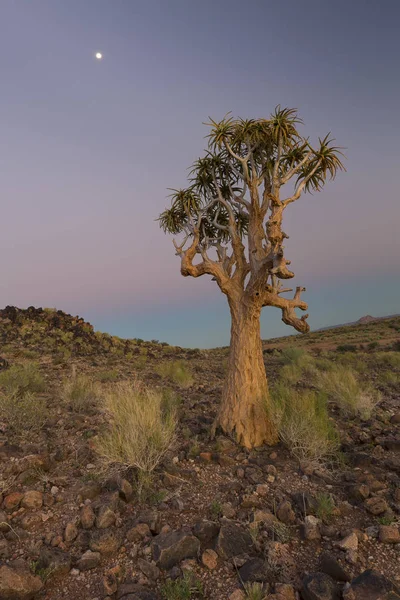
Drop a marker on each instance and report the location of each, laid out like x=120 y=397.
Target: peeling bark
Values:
x=245 y=398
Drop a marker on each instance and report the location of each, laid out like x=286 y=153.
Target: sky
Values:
x=89 y=148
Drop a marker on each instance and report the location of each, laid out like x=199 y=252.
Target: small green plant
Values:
x=254 y=591
x=20 y=379
x=184 y=588
x=142 y=427
x=215 y=509
x=176 y=371
x=79 y=392
x=42 y=572
x=386 y=520
x=25 y=412
x=324 y=507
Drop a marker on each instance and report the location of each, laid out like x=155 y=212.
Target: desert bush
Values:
x=79 y=392
x=105 y=376
x=183 y=588
x=292 y=355
x=254 y=591
x=297 y=364
x=387 y=359
x=345 y=390
x=325 y=507
x=176 y=371
x=356 y=360
x=389 y=378
x=142 y=427
x=23 y=412
x=20 y=379
x=304 y=425
x=346 y=348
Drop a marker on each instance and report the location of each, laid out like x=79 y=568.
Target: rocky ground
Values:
x=216 y=516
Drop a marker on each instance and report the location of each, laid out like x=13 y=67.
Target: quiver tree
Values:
x=230 y=221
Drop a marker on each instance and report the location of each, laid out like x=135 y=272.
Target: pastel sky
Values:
x=88 y=149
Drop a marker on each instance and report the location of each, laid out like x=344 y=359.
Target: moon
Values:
x=99 y=55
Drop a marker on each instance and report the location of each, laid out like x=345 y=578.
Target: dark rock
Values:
x=304 y=502
x=371 y=585
x=172 y=547
x=206 y=532
x=254 y=569
x=18 y=584
x=319 y=586
x=151 y=571
x=232 y=540
x=55 y=561
x=285 y=513
x=105 y=542
x=329 y=565
x=89 y=560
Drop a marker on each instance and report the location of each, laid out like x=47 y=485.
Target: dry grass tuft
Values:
x=142 y=427
x=20 y=379
x=344 y=389
x=304 y=425
x=80 y=393
x=177 y=372
x=24 y=412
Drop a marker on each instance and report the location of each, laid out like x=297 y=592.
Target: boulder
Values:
x=254 y=569
x=311 y=528
x=206 y=532
x=389 y=534
x=87 y=517
x=329 y=565
x=371 y=585
x=133 y=591
x=319 y=586
x=106 y=518
x=376 y=505
x=89 y=560
x=18 y=585
x=32 y=499
x=105 y=542
x=232 y=541
x=172 y=547
x=55 y=561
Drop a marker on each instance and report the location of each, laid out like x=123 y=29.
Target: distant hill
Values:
x=361 y=321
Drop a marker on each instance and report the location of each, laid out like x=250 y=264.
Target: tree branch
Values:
x=288 y=306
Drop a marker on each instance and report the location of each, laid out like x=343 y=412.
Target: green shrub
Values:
x=20 y=379
x=254 y=591
x=324 y=507
x=105 y=376
x=24 y=412
x=344 y=389
x=184 y=588
x=80 y=393
x=346 y=348
x=304 y=425
x=176 y=371
x=387 y=359
x=142 y=427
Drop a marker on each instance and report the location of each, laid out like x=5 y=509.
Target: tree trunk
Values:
x=245 y=398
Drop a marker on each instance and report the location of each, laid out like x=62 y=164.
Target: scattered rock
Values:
x=151 y=571
x=209 y=558
x=89 y=560
x=172 y=547
x=285 y=513
x=329 y=565
x=105 y=542
x=206 y=532
x=311 y=528
x=139 y=532
x=133 y=591
x=106 y=518
x=55 y=561
x=350 y=542
x=18 y=585
x=32 y=499
x=376 y=505
x=254 y=569
x=12 y=501
x=87 y=517
x=371 y=585
x=389 y=534
x=71 y=532
x=126 y=490
x=232 y=540
x=319 y=586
